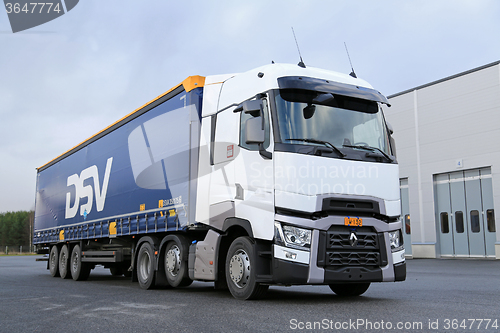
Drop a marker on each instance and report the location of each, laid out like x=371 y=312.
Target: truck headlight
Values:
x=395 y=240
x=290 y=236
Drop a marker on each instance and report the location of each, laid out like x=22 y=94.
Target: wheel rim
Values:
x=63 y=260
x=75 y=261
x=144 y=266
x=53 y=261
x=239 y=268
x=173 y=260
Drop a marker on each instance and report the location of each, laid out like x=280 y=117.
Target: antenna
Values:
x=352 y=73
x=301 y=63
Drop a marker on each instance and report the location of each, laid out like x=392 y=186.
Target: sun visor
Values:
x=308 y=83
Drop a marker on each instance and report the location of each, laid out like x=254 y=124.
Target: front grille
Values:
x=353 y=259
x=365 y=241
x=338 y=250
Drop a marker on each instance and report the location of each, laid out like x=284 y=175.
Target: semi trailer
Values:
x=282 y=175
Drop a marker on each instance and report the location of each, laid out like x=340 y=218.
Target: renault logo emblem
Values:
x=353 y=240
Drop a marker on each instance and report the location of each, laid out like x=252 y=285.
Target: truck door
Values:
x=254 y=176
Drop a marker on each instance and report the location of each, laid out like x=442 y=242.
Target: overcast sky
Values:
x=65 y=80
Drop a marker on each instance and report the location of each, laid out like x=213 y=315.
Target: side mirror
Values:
x=390 y=128
x=391 y=139
x=393 y=146
x=254 y=131
x=252 y=107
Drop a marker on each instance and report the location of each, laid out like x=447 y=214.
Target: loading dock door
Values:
x=465 y=213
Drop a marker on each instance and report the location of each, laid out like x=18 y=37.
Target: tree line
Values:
x=16 y=229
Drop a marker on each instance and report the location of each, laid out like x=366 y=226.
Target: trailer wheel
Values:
x=240 y=274
x=349 y=289
x=176 y=266
x=54 y=261
x=64 y=262
x=145 y=266
x=80 y=271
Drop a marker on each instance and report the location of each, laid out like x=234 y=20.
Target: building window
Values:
x=445 y=227
x=459 y=221
x=474 y=221
x=490 y=219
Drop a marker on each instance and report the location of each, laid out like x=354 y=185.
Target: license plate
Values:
x=353 y=221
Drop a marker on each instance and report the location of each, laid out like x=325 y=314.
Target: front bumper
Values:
x=294 y=273
x=332 y=259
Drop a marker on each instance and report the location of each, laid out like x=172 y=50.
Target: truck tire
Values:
x=240 y=274
x=54 y=261
x=64 y=262
x=80 y=271
x=145 y=266
x=349 y=289
x=175 y=262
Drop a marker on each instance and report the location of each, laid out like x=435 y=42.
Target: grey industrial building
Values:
x=447 y=136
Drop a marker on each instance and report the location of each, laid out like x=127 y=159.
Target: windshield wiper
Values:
x=372 y=149
x=326 y=143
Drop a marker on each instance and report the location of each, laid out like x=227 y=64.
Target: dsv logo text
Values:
x=82 y=192
x=26 y=14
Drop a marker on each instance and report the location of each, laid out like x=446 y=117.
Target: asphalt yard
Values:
x=438 y=296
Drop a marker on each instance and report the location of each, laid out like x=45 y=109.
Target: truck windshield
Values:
x=307 y=117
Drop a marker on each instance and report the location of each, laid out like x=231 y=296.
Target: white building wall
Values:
x=436 y=125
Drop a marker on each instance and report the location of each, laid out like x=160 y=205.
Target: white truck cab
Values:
x=303 y=159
